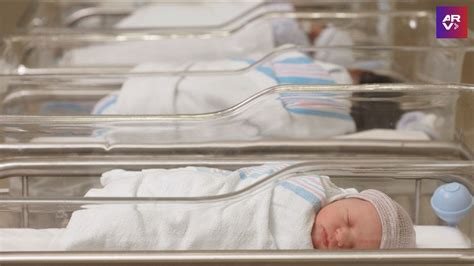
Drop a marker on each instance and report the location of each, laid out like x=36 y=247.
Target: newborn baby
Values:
x=367 y=220
x=257 y=209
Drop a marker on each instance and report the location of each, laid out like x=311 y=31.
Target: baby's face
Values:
x=347 y=224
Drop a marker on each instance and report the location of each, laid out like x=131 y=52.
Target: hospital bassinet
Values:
x=410 y=183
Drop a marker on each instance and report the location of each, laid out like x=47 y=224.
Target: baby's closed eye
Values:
x=347 y=218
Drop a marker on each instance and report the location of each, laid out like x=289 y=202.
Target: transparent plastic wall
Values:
x=87 y=90
x=125 y=47
x=106 y=14
x=396 y=120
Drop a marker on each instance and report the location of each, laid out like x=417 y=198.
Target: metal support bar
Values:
x=417 y=200
x=24 y=208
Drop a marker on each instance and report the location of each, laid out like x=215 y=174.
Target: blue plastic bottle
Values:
x=451 y=202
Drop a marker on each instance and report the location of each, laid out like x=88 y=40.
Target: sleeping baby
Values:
x=250 y=208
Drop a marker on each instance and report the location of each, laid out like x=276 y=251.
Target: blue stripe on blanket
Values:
x=310 y=94
x=111 y=101
x=242 y=175
x=53 y=107
x=255 y=172
x=312 y=183
x=304 y=60
x=259 y=171
x=303 y=193
x=303 y=80
x=268 y=71
x=320 y=113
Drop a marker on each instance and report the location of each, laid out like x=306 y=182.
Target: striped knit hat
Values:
x=397 y=227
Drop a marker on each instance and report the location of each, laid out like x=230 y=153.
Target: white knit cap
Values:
x=397 y=227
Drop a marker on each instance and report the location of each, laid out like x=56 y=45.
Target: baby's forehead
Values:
x=354 y=201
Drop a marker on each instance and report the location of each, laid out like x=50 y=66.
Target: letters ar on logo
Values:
x=451 y=22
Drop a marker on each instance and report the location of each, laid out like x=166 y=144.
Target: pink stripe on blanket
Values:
x=309 y=188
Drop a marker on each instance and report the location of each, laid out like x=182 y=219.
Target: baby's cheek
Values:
x=313 y=233
x=370 y=240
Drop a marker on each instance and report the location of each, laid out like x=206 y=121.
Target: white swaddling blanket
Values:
x=215 y=92
x=311 y=115
x=279 y=215
x=242 y=42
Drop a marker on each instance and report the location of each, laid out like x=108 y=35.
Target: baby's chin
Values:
x=316 y=245
x=313 y=236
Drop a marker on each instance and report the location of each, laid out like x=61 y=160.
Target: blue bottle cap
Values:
x=452 y=187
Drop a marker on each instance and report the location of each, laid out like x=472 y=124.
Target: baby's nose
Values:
x=343 y=238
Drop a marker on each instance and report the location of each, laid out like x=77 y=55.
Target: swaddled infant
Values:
x=254 y=210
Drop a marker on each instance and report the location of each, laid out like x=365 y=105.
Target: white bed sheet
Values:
x=26 y=239
x=435 y=236
x=427 y=236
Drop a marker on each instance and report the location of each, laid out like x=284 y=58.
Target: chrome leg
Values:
x=24 y=193
x=418 y=199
